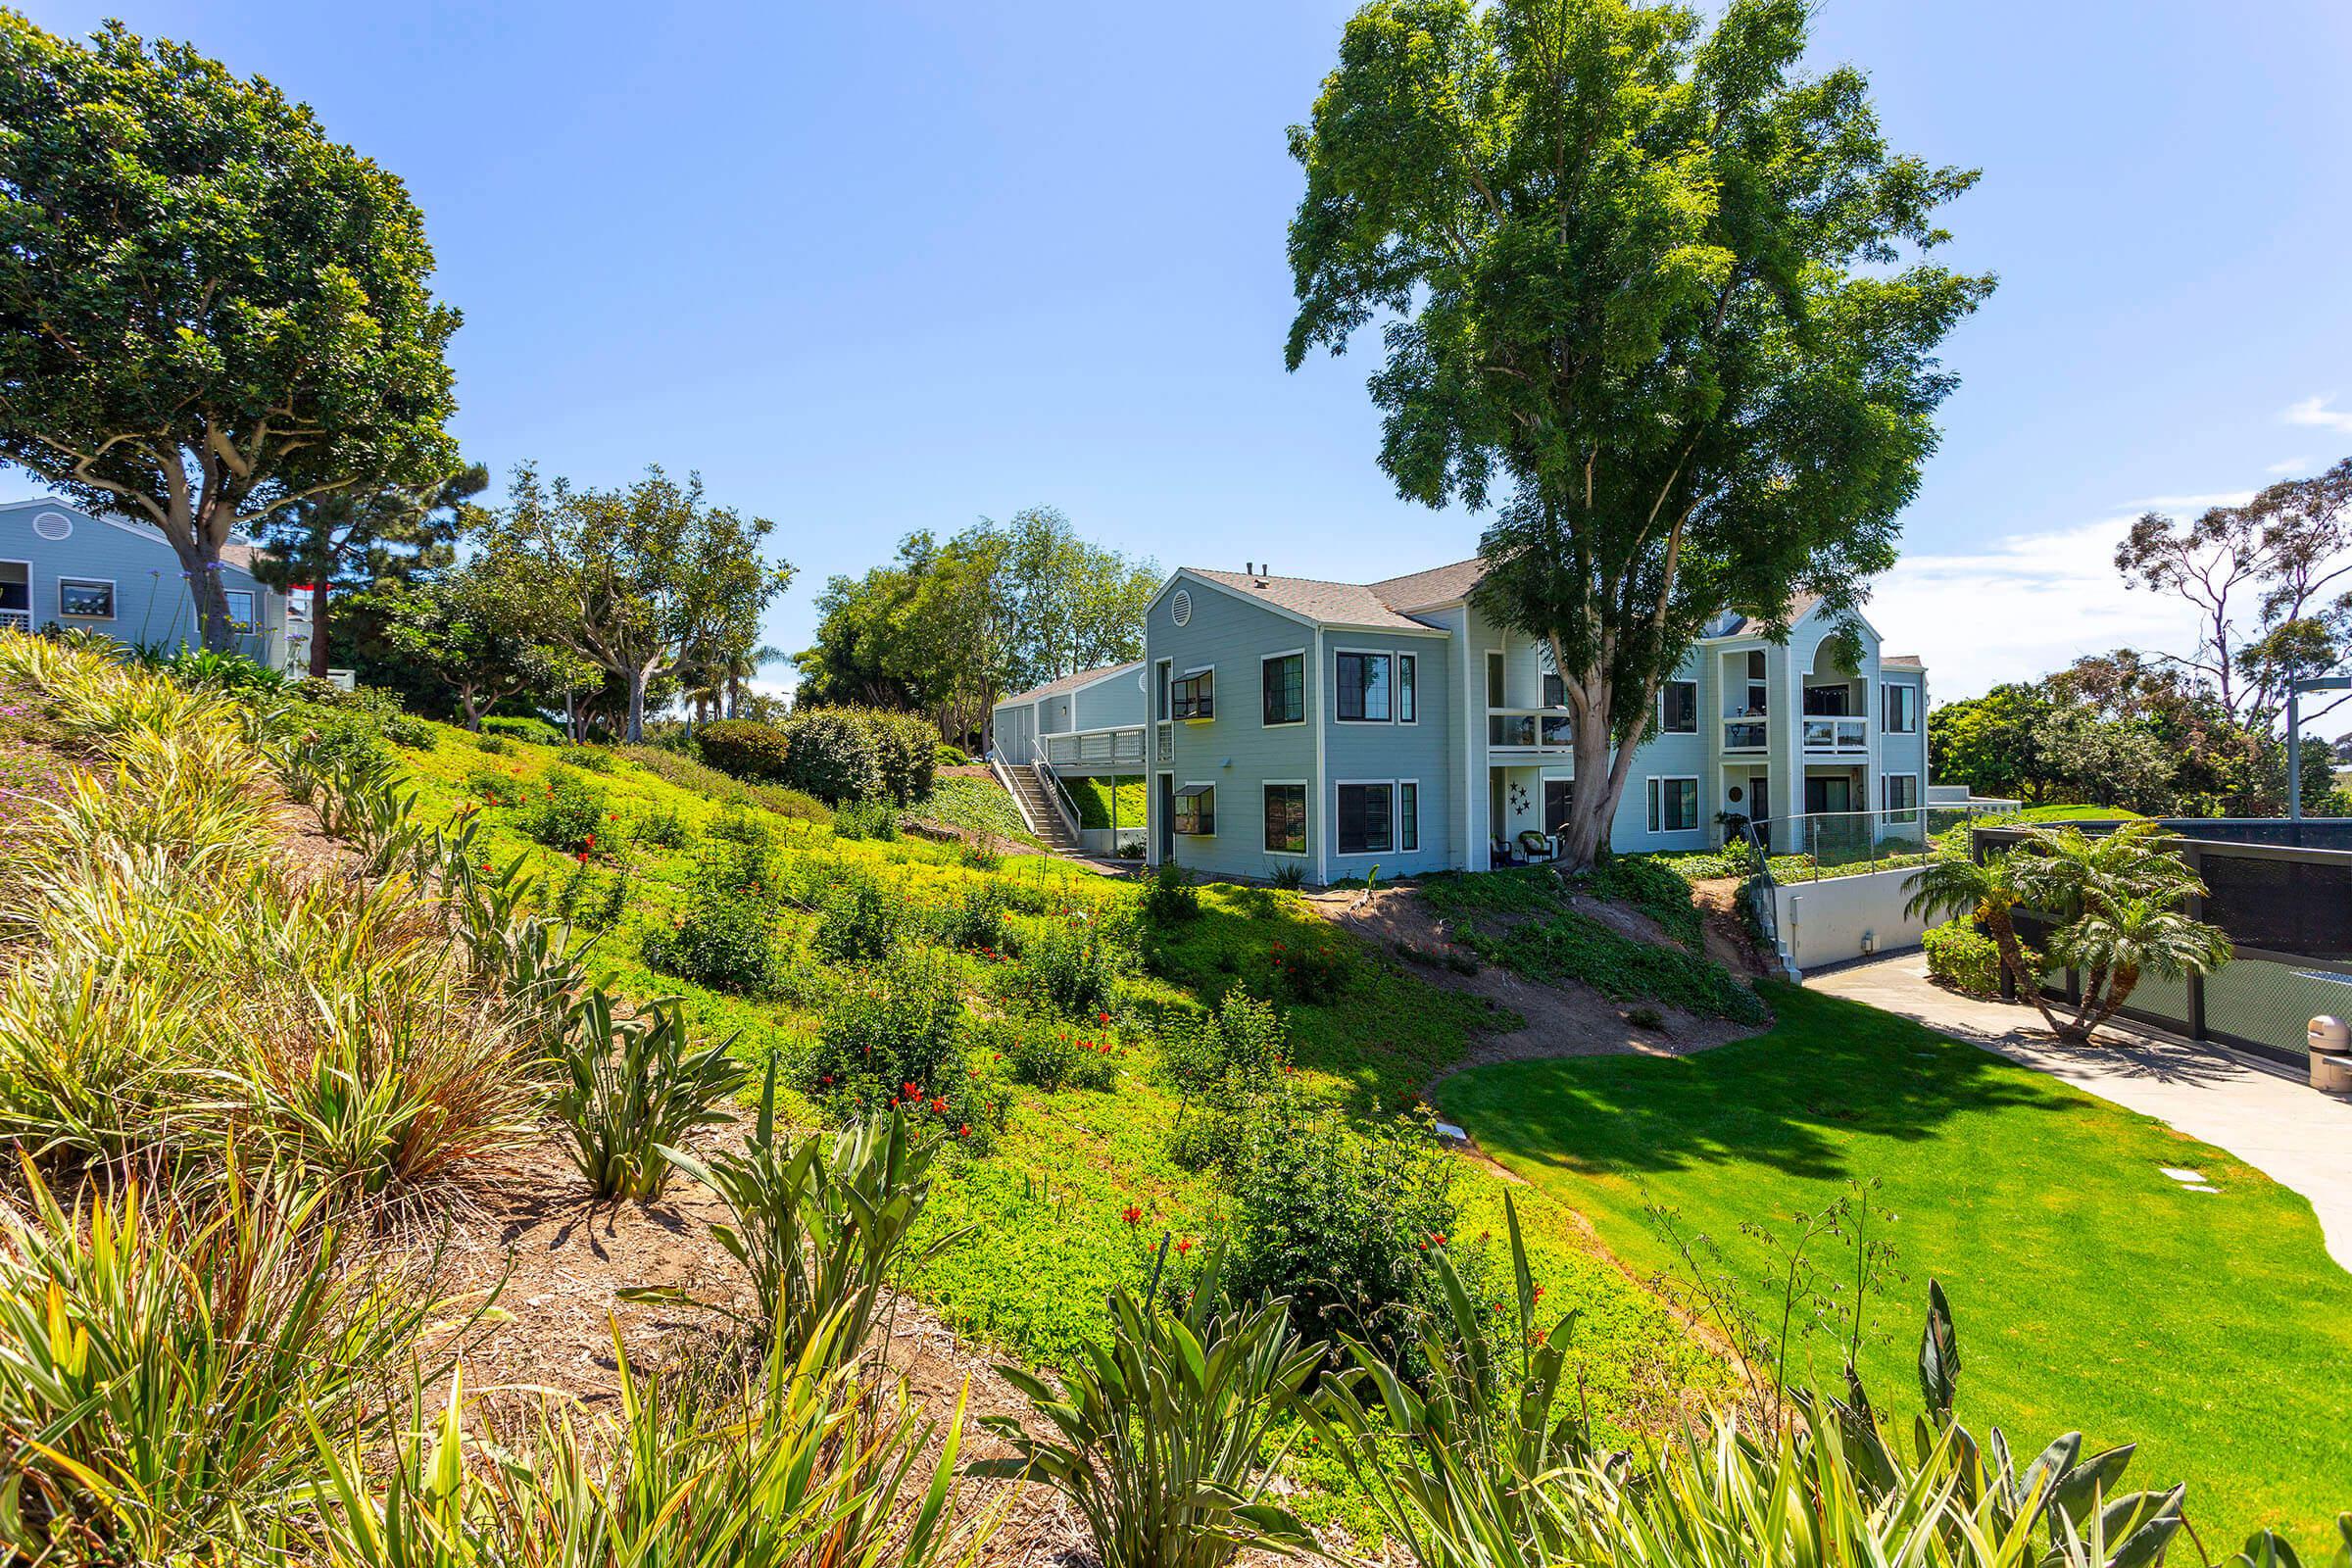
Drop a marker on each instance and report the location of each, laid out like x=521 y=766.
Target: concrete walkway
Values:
x=2291 y=1133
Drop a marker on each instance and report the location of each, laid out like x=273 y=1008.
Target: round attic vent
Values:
x=53 y=526
x=1180 y=608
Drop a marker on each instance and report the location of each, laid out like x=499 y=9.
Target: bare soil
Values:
x=1563 y=1020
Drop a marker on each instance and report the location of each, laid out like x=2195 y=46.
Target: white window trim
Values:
x=1265 y=784
x=114 y=598
x=1917 y=702
x=1654 y=800
x=1210 y=670
x=254 y=596
x=1300 y=654
x=1166 y=668
x=1339 y=784
x=1389 y=653
x=1887 y=778
x=1209 y=784
x=1495 y=657
x=1677 y=681
x=1397 y=817
x=1396 y=688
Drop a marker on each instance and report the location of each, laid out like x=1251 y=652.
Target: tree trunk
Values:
x=200 y=564
x=319 y=626
x=2004 y=938
x=634 y=732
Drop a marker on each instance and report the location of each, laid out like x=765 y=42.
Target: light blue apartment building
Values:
x=1284 y=721
x=62 y=568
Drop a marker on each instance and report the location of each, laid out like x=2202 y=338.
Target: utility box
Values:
x=2330 y=1054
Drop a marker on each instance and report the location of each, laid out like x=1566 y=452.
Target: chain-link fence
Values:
x=2287 y=910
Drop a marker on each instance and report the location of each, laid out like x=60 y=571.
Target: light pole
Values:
x=2294 y=734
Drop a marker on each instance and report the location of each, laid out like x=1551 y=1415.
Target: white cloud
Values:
x=2315 y=411
x=2027 y=604
x=2290 y=465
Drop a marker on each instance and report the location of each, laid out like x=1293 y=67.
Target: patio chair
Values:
x=1534 y=845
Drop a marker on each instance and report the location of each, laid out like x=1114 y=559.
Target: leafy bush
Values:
x=976 y=921
x=1316 y=967
x=1226 y=1066
x=892 y=1026
x=745 y=749
x=587 y=759
x=493 y=745
x=831 y=755
x=1967 y=959
x=664 y=827
x=406 y=729
x=1341 y=1220
x=1290 y=876
x=531 y=730
x=631 y=1087
x=568 y=813
x=1070 y=965
x=1171 y=898
x=874 y=819
x=1157 y=1440
x=728 y=937
x=1053 y=1056
x=859 y=919
x=945 y=756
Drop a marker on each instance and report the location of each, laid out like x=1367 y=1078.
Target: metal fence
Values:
x=1821 y=843
x=2287 y=910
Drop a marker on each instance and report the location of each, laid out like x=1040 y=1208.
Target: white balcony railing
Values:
x=1841 y=736
x=15 y=620
x=1090 y=749
x=1528 y=728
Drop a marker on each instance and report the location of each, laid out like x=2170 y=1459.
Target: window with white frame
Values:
x=1406 y=668
x=1678 y=707
x=1367 y=818
x=1195 y=813
x=1408 y=814
x=85 y=598
x=1283 y=682
x=1285 y=818
x=1901 y=792
x=240 y=608
x=1363 y=689
x=1673 y=804
x=1902 y=709
x=1165 y=679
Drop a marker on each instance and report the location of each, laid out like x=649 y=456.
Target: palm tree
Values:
x=1954 y=886
x=2118 y=940
x=742 y=667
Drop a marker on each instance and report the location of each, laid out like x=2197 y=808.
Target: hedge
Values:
x=537 y=731
x=1965 y=958
x=835 y=753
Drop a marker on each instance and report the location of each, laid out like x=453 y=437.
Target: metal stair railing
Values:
x=1060 y=795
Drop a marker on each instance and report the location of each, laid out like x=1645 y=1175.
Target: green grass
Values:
x=2063 y=814
x=2091 y=1291
x=977 y=805
x=1095 y=797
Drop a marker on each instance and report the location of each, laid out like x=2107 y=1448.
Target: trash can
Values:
x=2330 y=1054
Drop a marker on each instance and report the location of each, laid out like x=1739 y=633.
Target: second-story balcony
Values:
x=1531 y=729
x=1747 y=735
x=1824 y=735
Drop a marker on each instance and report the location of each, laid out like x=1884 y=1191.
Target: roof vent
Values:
x=1180 y=608
x=53 y=526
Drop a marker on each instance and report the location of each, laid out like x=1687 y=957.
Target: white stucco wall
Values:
x=1824 y=923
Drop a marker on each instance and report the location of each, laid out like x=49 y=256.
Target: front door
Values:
x=1759 y=809
x=1833 y=793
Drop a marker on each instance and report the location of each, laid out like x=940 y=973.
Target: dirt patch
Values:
x=1565 y=1020
x=1730 y=942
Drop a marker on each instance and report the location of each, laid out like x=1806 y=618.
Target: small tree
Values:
x=361 y=539
x=639 y=582
x=209 y=312
x=1650 y=287
x=465 y=624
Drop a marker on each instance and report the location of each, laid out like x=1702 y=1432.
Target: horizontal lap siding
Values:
x=1375 y=753
x=152 y=603
x=1117 y=703
x=1234 y=751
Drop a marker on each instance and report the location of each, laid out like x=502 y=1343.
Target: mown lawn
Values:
x=2091 y=1289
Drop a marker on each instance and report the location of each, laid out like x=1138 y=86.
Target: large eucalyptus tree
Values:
x=1650 y=289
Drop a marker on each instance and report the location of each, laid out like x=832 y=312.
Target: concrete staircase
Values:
x=1045 y=819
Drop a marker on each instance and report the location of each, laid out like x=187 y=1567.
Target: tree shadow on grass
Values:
x=1829 y=1071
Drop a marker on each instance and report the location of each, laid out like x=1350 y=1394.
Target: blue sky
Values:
x=871 y=268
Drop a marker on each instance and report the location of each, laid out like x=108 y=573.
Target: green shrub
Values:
x=1069 y=966
x=531 y=730
x=568 y=813
x=1054 y=1056
x=945 y=756
x=664 y=827
x=1290 y=876
x=494 y=744
x=406 y=729
x=629 y=1087
x=1226 y=1066
x=728 y=937
x=1171 y=897
x=587 y=759
x=745 y=748
x=1315 y=967
x=1341 y=1221
x=875 y=819
x=892 y=1026
x=906 y=754
x=1967 y=959
x=859 y=919
x=976 y=921
x=831 y=755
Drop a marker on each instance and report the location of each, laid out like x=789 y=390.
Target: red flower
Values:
x=584 y=857
x=592 y=840
x=1184 y=1245
x=828 y=1079
x=965 y=1131
x=1132 y=1214
x=940 y=1106
x=1101 y=1018
x=1438 y=1238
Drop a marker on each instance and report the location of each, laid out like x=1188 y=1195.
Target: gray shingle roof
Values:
x=1440 y=585
x=1907 y=660
x=1756 y=625
x=1339 y=603
x=1068 y=683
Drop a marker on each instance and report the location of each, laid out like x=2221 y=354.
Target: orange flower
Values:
x=1131 y=1215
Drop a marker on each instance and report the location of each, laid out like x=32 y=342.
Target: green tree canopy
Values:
x=209 y=311
x=362 y=539
x=1651 y=291
x=642 y=582
x=463 y=625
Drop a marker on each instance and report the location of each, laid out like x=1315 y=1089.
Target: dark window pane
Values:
x=1364 y=819
x=1558 y=793
x=1285 y=818
x=1408 y=816
x=1285 y=681
x=1405 y=671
